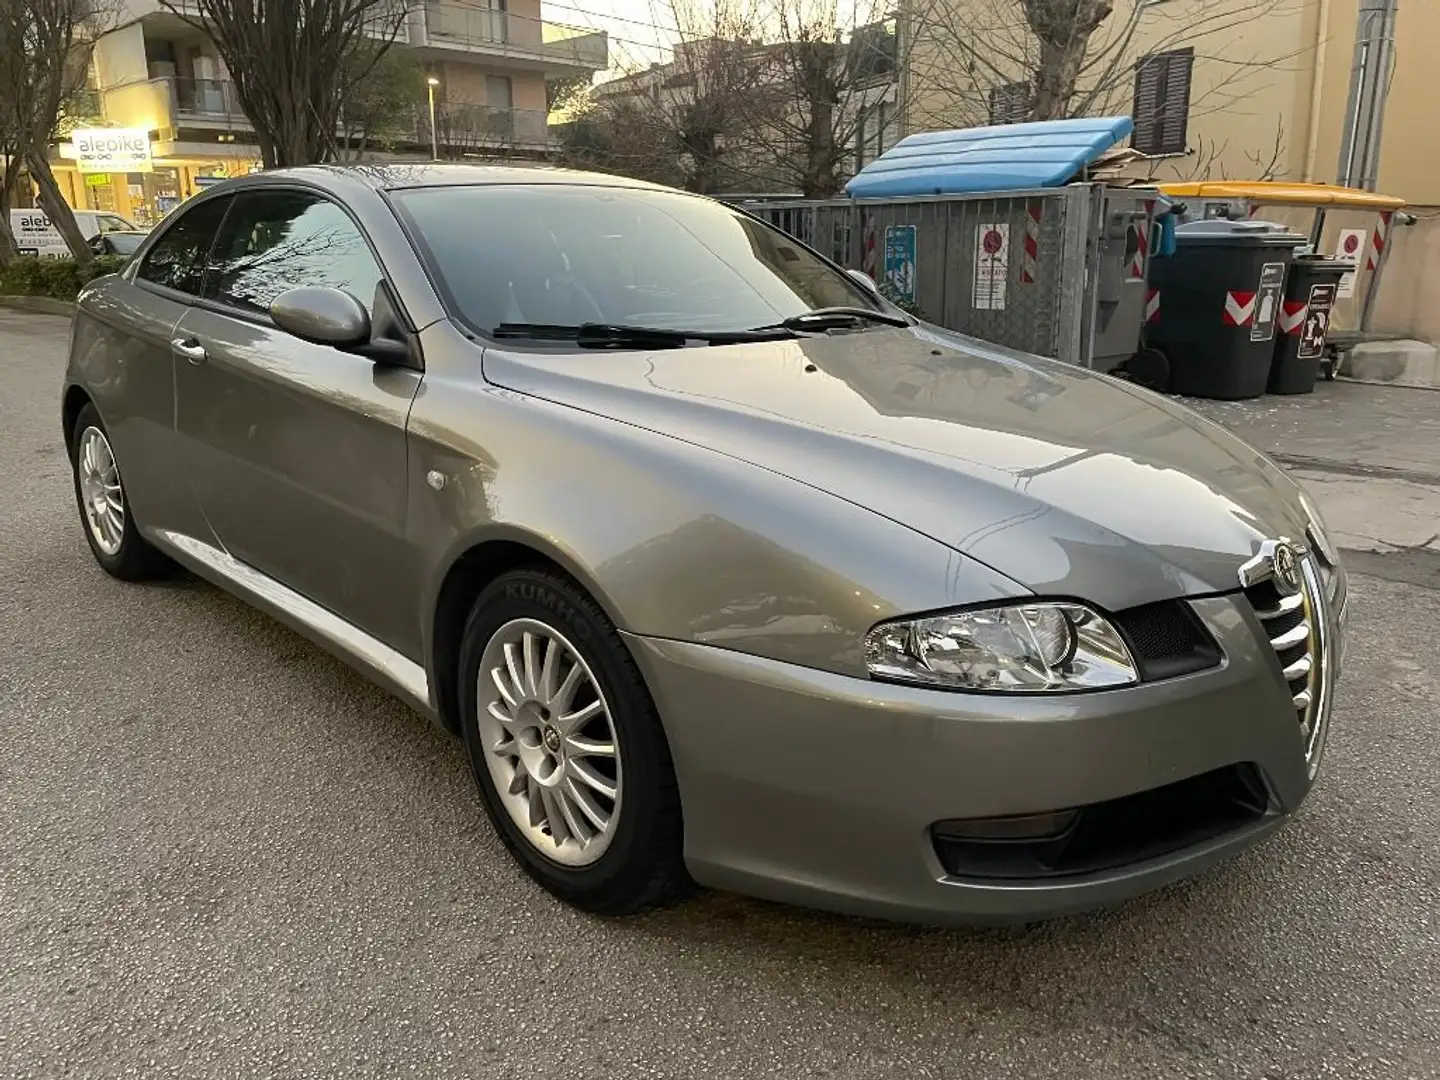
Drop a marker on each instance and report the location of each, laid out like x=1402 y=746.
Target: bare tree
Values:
x=291 y=61
x=672 y=122
x=1066 y=58
x=379 y=98
x=44 y=59
x=758 y=94
x=830 y=75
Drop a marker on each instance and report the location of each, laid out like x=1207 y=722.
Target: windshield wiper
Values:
x=613 y=336
x=832 y=318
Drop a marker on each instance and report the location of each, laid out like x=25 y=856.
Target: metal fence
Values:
x=1057 y=271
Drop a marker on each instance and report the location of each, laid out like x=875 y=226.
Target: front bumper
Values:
x=818 y=789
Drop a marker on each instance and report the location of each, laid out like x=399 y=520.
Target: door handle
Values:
x=190 y=348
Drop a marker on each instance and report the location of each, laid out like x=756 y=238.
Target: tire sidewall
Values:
x=539 y=596
x=130 y=539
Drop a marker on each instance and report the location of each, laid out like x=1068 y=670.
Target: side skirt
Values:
x=369 y=655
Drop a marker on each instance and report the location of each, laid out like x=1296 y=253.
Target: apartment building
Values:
x=749 y=92
x=1220 y=90
x=159 y=83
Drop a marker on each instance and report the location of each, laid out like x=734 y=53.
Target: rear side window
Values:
x=177 y=259
x=279 y=240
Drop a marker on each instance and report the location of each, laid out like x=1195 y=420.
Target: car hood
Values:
x=1068 y=482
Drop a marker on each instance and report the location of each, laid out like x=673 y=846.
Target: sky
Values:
x=637 y=28
x=641 y=31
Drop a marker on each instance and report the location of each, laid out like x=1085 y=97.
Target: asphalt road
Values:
x=225 y=855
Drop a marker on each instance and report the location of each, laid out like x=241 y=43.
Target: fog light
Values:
x=1016 y=829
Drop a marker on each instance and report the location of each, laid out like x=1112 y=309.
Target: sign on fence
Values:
x=1347 y=247
x=900 y=262
x=992 y=265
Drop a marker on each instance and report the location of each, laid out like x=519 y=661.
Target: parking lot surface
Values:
x=224 y=854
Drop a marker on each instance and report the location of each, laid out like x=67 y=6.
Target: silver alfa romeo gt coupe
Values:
x=726 y=570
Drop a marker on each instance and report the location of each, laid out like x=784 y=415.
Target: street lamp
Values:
x=431 y=83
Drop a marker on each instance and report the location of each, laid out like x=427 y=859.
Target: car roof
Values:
x=396 y=176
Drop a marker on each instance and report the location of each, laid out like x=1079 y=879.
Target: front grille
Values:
x=1296 y=626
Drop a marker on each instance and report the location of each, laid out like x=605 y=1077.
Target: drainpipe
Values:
x=1370 y=73
x=1317 y=88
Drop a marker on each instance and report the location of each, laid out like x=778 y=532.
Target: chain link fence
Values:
x=1051 y=271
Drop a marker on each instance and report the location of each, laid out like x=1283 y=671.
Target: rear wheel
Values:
x=566 y=746
x=109 y=526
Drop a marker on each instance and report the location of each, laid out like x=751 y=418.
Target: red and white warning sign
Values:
x=992 y=266
x=1292 y=317
x=1347 y=248
x=1030 y=264
x=1152 y=305
x=1239 y=308
x=1377 y=240
x=1139 y=242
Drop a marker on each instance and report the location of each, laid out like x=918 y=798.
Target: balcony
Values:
x=522 y=41
x=465 y=129
x=204 y=100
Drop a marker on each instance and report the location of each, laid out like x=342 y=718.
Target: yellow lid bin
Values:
x=1284 y=193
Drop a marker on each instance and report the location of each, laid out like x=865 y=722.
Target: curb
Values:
x=43 y=305
x=1397 y=362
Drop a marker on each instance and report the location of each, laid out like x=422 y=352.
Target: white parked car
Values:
x=36 y=234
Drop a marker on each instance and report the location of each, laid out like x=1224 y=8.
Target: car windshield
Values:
x=125 y=243
x=109 y=223
x=553 y=255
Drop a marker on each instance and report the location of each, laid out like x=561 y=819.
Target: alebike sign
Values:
x=103 y=150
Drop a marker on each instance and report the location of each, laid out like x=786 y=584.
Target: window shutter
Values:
x=1175 y=116
x=1010 y=103
x=1162 y=102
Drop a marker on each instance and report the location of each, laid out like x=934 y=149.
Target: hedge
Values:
x=60 y=279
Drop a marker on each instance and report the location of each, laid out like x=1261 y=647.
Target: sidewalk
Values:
x=1370 y=455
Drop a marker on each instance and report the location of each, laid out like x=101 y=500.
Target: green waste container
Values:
x=1216 y=303
x=1310 y=292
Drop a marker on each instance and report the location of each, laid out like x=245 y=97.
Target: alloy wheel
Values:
x=549 y=741
x=101 y=495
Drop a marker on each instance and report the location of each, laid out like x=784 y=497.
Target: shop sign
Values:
x=106 y=150
x=97 y=179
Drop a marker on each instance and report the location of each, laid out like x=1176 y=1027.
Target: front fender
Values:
x=673 y=540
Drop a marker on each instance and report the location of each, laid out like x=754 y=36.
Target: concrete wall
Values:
x=1250 y=96
x=466 y=82
x=1410 y=153
x=139 y=104
x=119 y=56
x=1411 y=284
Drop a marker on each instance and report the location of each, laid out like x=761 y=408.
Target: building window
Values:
x=874 y=132
x=873 y=53
x=1162 y=102
x=1010 y=104
x=498 y=94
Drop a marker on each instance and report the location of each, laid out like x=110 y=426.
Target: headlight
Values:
x=1021 y=647
x=1317 y=529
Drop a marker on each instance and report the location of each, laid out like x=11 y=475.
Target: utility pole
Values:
x=1370 y=73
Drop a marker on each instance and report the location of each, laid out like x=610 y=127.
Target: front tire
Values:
x=566 y=747
x=105 y=515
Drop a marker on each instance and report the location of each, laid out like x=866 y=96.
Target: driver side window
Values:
x=279 y=240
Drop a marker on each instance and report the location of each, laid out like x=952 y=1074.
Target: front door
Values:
x=296 y=451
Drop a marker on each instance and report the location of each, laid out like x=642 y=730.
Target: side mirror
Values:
x=323 y=315
x=866 y=282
